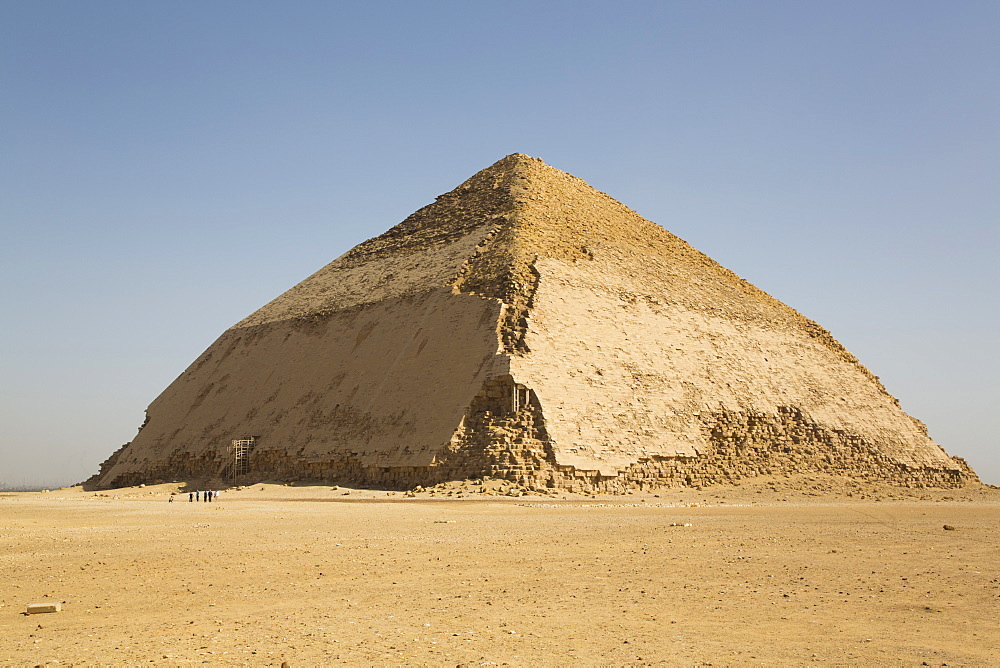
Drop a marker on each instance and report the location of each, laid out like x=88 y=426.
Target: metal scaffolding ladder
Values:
x=239 y=457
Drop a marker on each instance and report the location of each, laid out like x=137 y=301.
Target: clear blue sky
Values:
x=168 y=167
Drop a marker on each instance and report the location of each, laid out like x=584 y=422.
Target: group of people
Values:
x=199 y=495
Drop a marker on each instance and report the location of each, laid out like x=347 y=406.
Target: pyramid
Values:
x=528 y=327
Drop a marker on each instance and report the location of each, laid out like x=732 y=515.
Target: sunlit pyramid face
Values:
x=526 y=326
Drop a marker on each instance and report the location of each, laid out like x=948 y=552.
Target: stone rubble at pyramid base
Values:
x=512 y=447
x=655 y=473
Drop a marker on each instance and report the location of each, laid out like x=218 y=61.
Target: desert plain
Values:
x=777 y=571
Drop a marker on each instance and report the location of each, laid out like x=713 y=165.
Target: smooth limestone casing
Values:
x=384 y=384
x=631 y=358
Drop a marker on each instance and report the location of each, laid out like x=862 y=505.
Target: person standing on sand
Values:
x=190 y=497
x=196 y=495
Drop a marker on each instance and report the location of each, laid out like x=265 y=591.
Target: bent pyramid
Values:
x=529 y=327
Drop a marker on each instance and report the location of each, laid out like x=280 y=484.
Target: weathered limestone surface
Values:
x=642 y=378
x=526 y=326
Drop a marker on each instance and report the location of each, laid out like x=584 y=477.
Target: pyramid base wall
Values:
x=532 y=473
x=512 y=445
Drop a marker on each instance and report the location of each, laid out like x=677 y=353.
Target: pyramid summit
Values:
x=526 y=326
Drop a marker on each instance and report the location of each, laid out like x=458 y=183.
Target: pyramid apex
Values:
x=516 y=159
x=506 y=170
x=520 y=156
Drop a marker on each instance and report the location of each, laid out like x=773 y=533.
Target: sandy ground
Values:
x=779 y=572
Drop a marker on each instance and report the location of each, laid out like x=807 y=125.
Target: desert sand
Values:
x=778 y=571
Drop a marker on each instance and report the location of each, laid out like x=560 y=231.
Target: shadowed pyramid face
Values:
x=527 y=326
